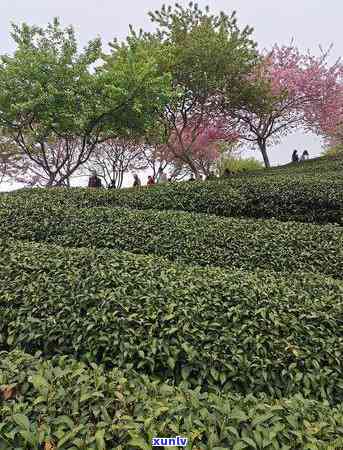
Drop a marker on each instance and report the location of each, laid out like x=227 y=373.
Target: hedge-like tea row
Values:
x=191 y=238
x=65 y=404
x=228 y=330
x=285 y=197
x=332 y=167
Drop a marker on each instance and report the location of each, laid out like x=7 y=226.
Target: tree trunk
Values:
x=51 y=181
x=194 y=169
x=263 y=148
x=120 y=179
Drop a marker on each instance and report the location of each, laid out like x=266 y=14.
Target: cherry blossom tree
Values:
x=324 y=116
x=113 y=158
x=154 y=157
x=197 y=146
x=300 y=91
x=51 y=165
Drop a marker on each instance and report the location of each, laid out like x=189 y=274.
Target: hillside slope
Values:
x=290 y=193
x=211 y=311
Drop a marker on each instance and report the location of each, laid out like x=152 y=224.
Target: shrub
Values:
x=314 y=167
x=191 y=238
x=304 y=198
x=231 y=331
x=335 y=151
x=67 y=404
x=238 y=165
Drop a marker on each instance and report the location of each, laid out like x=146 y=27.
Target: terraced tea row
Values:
x=330 y=166
x=66 y=404
x=192 y=238
x=304 y=198
x=229 y=330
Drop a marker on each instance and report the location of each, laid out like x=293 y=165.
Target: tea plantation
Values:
x=207 y=310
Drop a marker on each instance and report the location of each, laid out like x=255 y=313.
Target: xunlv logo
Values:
x=170 y=442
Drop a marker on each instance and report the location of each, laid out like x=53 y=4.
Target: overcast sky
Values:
x=310 y=22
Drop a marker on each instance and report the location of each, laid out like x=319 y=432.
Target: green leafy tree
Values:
x=209 y=58
x=9 y=159
x=52 y=94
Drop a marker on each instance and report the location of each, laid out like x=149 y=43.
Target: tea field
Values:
x=208 y=310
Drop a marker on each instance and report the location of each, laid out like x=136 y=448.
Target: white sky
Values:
x=310 y=22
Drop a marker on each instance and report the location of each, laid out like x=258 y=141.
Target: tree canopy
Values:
x=51 y=92
x=209 y=59
x=196 y=82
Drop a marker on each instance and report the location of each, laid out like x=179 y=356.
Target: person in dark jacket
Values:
x=304 y=156
x=136 y=181
x=295 y=156
x=94 y=181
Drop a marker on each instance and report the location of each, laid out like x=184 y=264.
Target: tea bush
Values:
x=331 y=166
x=123 y=347
x=232 y=331
x=65 y=404
x=192 y=238
x=304 y=198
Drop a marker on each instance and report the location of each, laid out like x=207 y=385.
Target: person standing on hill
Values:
x=161 y=177
x=151 y=181
x=94 y=181
x=136 y=181
x=295 y=156
x=304 y=156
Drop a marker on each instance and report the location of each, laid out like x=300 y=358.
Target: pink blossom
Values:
x=198 y=143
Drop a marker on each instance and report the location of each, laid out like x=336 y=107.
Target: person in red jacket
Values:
x=151 y=181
